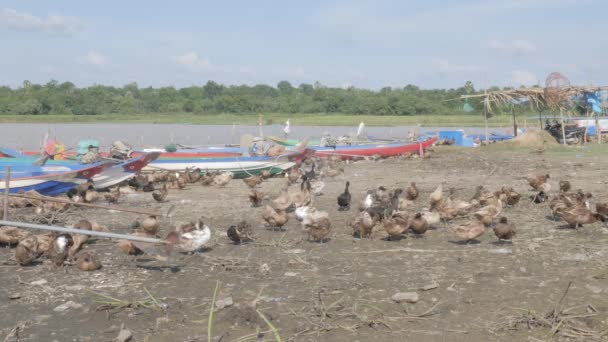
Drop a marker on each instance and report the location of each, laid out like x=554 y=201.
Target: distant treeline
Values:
x=66 y=98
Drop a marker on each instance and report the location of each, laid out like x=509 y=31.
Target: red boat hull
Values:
x=388 y=150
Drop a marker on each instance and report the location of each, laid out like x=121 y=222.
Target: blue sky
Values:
x=366 y=44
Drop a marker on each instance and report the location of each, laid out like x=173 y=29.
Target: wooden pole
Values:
x=90 y=205
x=514 y=123
x=598 y=131
x=83 y=232
x=561 y=115
x=7 y=190
x=485 y=116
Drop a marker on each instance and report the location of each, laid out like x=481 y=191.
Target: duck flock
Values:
x=379 y=210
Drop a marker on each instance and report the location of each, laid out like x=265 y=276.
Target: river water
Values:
x=30 y=136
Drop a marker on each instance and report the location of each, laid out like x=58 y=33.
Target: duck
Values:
x=395 y=198
x=382 y=195
x=192 y=240
x=12 y=235
x=293 y=176
x=317 y=225
x=265 y=174
x=283 y=202
x=58 y=253
x=577 y=216
x=504 y=230
x=112 y=196
x=411 y=193
x=253 y=181
x=344 y=198
x=436 y=197
x=418 y=225
x=82 y=188
x=88 y=262
x=331 y=172
x=363 y=225
x=396 y=226
x=487 y=214
x=302 y=212
x=207 y=178
x=148 y=187
x=242 y=231
x=564 y=186
x=602 y=210
x=367 y=201
x=255 y=198
x=91 y=195
x=45 y=242
x=223 y=178
x=150 y=225
x=470 y=231
x=303 y=197
x=537 y=180
x=128 y=247
x=27 y=251
x=316 y=187
x=431 y=217
x=311 y=174
x=194 y=175
x=79 y=239
x=539 y=197
x=275 y=218
x=161 y=194
x=123 y=189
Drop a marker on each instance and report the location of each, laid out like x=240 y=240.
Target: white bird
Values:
x=286 y=129
x=195 y=239
x=302 y=212
x=360 y=129
x=369 y=200
x=316 y=187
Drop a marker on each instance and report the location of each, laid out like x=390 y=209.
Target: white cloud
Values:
x=47 y=69
x=442 y=65
x=515 y=47
x=23 y=21
x=95 y=59
x=356 y=19
x=247 y=70
x=193 y=61
x=521 y=77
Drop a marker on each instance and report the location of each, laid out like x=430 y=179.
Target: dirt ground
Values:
x=339 y=290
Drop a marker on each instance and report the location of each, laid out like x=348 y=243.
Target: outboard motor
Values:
x=121 y=150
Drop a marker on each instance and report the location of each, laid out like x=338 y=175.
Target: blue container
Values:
x=452 y=135
x=468 y=142
x=591 y=130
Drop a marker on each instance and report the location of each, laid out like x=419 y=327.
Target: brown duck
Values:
x=412 y=192
x=253 y=181
x=240 y=232
x=27 y=251
x=362 y=225
x=504 y=230
x=88 y=262
x=418 y=225
x=275 y=218
x=537 y=181
x=255 y=198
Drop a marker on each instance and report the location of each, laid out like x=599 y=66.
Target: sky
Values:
x=365 y=44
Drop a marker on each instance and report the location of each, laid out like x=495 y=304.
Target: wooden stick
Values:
x=90 y=205
x=7 y=190
x=82 y=232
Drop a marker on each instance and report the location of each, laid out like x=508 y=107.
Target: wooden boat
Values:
x=368 y=150
x=49 y=180
x=241 y=167
x=313 y=142
x=110 y=176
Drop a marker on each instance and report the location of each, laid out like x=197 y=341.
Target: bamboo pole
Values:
x=561 y=115
x=82 y=232
x=91 y=205
x=7 y=190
